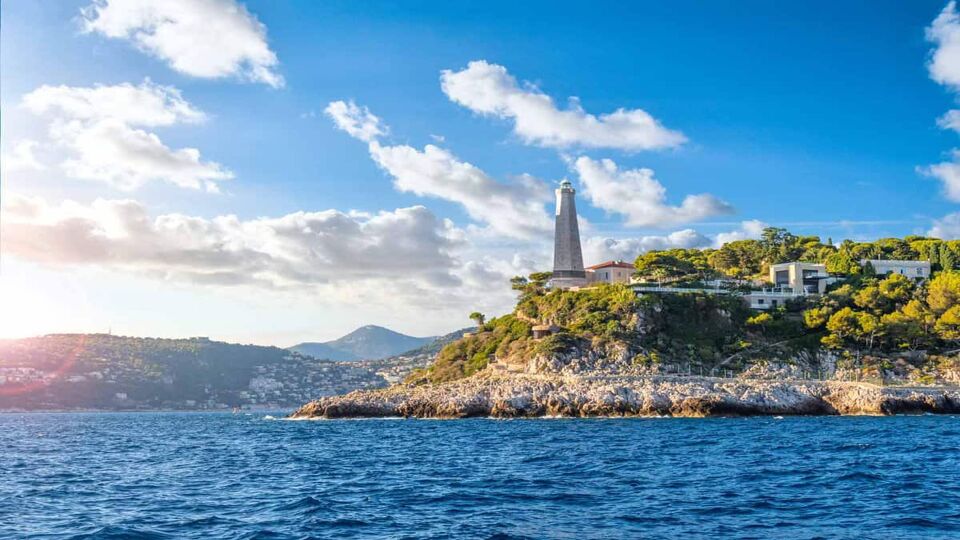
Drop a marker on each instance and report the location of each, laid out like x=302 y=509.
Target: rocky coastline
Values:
x=525 y=395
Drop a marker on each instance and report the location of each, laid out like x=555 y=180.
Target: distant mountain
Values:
x=395 y=368
x=435 y=344
x=365 y=343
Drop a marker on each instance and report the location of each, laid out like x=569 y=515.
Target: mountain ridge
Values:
x=369 y=342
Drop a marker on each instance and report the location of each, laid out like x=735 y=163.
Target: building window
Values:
x=759 y=300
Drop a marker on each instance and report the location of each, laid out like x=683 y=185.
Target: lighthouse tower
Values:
x=567 y=257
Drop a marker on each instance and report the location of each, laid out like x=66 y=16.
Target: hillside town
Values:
x=104 y=372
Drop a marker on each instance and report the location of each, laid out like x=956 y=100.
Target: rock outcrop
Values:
x=508 y=395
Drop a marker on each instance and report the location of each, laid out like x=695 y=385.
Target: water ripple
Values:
x=186 y=475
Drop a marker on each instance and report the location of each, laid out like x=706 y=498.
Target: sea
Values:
x=256 y=475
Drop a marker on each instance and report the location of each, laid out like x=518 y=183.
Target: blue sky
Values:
x=817 y=116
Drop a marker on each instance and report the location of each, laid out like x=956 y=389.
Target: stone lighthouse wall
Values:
x=567 y=256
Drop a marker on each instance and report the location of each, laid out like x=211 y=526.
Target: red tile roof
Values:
x=610 y=264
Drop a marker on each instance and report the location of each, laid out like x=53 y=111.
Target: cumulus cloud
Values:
x=202 y=38
x=294 y=250
x=147 y=104
x=639 y=197
x=948 y=173
x=99 y=127
x=598 y=249
x=22 y=157
x=516 y=209
x=944 y=32
x=944 y=68
x=749 y=230
x=947 y=227
x=358 y=122
x=950 y=120
x=489 y=89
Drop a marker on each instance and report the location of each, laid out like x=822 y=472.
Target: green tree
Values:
x=842 y=264
x=760 y=321
x=816 y=317
x=779 y=245
x=478 y=318
x=904 y=331
x=896 y=288
x=662 y=266
x=948 y=259
x=870 y=298
x=943 y=292
x=739 y=259
x=948 y=325
x=857 y=327
x=540 y=278
x=843 y=325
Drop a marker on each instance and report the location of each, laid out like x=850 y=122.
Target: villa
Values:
x=800 y=277
x=913 y=269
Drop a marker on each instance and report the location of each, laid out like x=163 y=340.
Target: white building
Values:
x=610 y=272
x=913 y=269
x=767 y=299
x=799 y=277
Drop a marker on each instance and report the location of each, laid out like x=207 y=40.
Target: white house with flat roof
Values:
x=799 y=277
x=912 y=269
x=766 y=299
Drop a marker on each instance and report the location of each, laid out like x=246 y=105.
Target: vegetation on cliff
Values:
x=867 y=325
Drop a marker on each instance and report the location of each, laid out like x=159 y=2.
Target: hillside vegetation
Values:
x=867 y=326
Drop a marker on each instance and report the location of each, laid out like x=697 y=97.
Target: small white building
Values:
x=610 y=272
x=768 y=299
x=912 y=269
x=799 y=277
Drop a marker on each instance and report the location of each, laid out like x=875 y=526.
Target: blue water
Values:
x=185 y=475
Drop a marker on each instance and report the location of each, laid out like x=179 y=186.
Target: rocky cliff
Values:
x=509 y=395
x=618 y=354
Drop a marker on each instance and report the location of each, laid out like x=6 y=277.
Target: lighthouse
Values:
x=567 y=257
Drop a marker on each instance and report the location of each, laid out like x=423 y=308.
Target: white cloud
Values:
x=947 y=227
x=358 y=122
x=516 y=210
x=490 y=90
x=638 y=196
x=201 y=38
x=944 y=32
x=749 y=230
x=298 y=249
x=405 y=262
x=948 y=172
x=950 y=120
x=22 y=157
x=98 y=126
x=944 y=67
x=598 y=249
x=147 y=104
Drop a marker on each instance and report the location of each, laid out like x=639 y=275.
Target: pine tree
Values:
x=948 y=261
